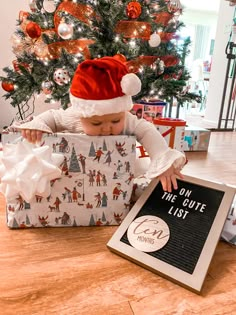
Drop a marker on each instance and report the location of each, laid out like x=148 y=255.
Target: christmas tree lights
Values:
x=54 y=36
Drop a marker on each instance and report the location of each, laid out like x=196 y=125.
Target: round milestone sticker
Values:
x=148 y=233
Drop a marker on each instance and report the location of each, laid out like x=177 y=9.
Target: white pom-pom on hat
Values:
x=130 y=84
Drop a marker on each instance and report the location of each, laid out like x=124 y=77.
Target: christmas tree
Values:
x=74 y=163
x=55 y=35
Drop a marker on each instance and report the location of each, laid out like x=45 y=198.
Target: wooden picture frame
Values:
x=175 y=234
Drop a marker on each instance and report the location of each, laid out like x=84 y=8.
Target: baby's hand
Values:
x=32 y=136
x=169 y=178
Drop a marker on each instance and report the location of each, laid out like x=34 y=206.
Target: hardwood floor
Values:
x=71 y=271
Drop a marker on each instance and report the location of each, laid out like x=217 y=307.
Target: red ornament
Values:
x=166 y=76
x=165 y=37
x=33 y=30
x=133 y=10
x=178 y=75
x=163 y=18
x=7 y=86
x=120 y=57
x=170 y=60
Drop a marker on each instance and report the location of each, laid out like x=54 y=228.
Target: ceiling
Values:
x=201 y=5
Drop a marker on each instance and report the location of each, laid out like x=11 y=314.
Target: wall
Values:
x=9 y=14
x=199 y=17
x=219 y=62
x=201 y=27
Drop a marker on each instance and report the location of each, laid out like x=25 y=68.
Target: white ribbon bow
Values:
x=27 y=170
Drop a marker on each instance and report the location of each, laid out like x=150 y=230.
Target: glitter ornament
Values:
x=41 y=49
x=61 y=76
x=21 y=46
x=65 y=31
x=174 y=6
x=133 y=10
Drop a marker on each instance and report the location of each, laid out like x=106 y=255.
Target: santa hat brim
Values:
x=89 y=108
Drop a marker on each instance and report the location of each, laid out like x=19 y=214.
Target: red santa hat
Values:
x=103 y=86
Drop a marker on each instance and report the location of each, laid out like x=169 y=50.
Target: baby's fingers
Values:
x=32 y=136
x=174 y=181
x=166 y=183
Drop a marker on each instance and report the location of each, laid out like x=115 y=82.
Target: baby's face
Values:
x=106 y=125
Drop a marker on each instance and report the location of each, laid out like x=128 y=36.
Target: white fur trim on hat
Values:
x=89 y=108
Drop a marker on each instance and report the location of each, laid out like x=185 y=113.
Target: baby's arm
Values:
x=166 y=163
x=34 y=129
x=51 y=121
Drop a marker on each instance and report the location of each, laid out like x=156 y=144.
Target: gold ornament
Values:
x=41 y=49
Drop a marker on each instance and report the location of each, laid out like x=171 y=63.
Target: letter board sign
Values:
x=175 y=234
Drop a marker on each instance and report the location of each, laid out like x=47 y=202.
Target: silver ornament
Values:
x=49 y=6
x=61 y=76
x=161 y=67
x=65 y=31
x=33 y=5
x=47 y=87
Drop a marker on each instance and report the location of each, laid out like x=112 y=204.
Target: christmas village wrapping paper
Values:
x=93 y=189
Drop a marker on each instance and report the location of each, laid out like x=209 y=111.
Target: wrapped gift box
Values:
x=148 y=110
x=196 y=139
x=172 y=129
x=94 y=187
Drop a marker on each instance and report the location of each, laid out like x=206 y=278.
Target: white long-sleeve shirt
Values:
x=161 y=156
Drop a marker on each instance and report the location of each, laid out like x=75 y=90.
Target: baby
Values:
x=101 y=99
